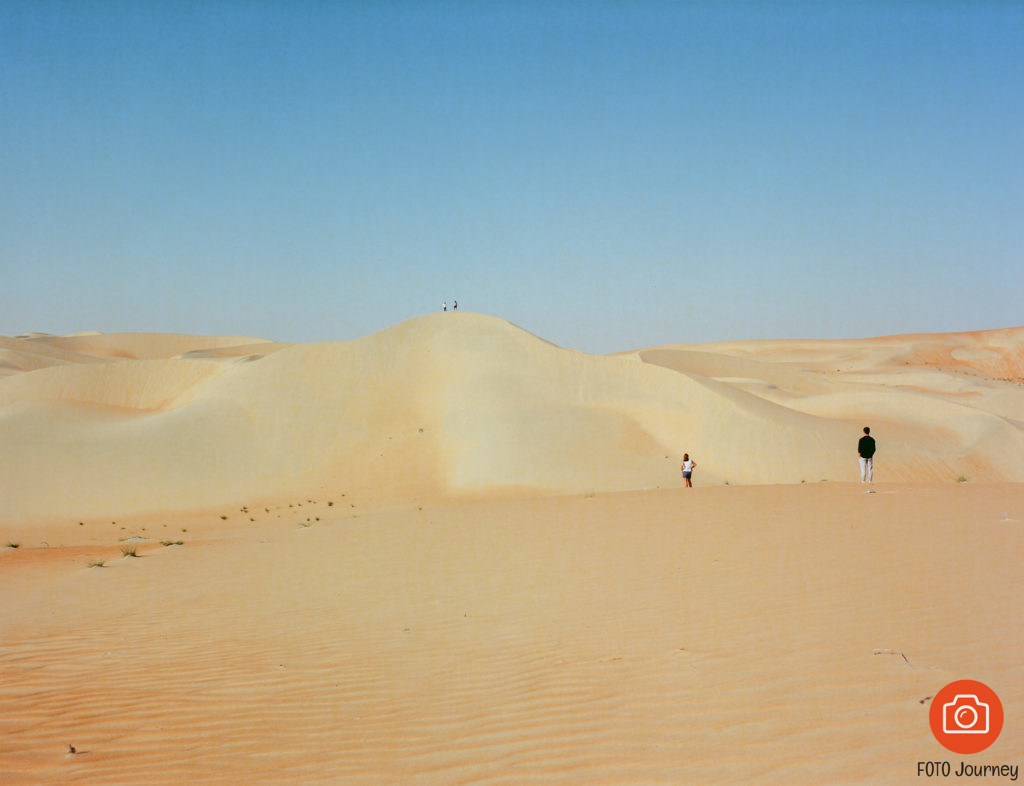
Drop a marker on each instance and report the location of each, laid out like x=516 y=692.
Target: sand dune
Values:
x=136 y=346
x=456 y=405
x=452 y=552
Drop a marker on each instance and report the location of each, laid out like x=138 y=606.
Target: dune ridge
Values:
x=455 y=405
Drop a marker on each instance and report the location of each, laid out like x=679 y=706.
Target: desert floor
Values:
x=722 y=634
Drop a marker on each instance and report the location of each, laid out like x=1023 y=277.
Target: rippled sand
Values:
x=772 y=634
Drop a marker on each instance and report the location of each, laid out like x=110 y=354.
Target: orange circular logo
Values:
x=966 y=716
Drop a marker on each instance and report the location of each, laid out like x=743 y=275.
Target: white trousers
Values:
x=865 y=469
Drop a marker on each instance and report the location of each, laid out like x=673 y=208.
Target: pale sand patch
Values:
x=713 y=635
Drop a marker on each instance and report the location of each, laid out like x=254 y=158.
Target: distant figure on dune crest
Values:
x=688 y=465
x=444 y=306
x=866 y=449
x=455 y=306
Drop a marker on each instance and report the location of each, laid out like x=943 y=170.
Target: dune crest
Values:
x=450 y=405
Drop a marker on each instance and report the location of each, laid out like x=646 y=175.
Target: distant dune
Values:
x=463 y=405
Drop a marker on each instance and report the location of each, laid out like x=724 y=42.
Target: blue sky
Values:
x=608 y=175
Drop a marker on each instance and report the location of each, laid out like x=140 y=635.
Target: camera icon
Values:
x=966 y=714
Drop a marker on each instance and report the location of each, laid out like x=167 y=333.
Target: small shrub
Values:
x=172 y=543
x=13 y=545
x=129 y=550
x=97 y=563
x=961 y=478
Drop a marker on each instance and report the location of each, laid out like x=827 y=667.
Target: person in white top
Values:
x=688 y=465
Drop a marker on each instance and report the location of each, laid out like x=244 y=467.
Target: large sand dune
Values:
x=455 y=405
x=453 y=553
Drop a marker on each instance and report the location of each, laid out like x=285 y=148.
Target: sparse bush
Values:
x=13 y=545
x=97 y=563
x=129 y=550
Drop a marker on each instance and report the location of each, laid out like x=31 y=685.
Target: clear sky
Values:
x=608 y=175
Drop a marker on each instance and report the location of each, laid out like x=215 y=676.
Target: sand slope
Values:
x=462 y=404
